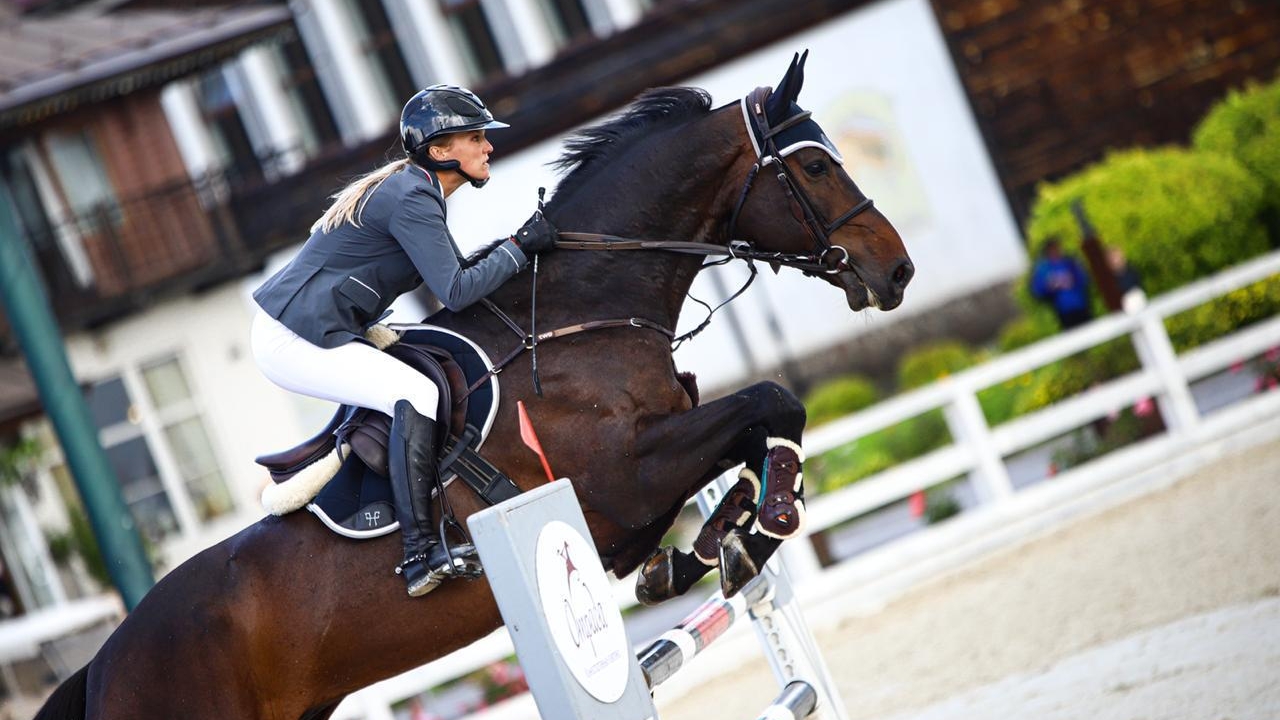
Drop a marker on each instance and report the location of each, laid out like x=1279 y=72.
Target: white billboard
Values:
x=881 y=83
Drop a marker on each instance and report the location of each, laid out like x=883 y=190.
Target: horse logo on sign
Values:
x=584 y=621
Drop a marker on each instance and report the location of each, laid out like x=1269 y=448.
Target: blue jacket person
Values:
x=385 y=234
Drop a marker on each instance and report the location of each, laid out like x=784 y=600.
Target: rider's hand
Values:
x=537 y=235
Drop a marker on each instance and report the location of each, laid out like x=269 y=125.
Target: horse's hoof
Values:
x=656 y=580
x=736 y=566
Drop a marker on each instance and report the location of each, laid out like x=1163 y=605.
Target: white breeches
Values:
x=350 y=374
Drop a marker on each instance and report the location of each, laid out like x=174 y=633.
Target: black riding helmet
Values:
x=438 y=110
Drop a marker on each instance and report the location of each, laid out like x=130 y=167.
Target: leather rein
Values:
x=802 y=209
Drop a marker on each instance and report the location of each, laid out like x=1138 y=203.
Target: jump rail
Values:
x=665 y=656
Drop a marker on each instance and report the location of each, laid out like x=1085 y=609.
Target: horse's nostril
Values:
x=903 y=273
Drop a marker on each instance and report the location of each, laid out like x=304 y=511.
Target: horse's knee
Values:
x=787 y=415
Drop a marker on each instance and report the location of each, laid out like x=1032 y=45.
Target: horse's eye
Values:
x=816 y=168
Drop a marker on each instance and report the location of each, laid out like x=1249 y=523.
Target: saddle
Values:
x=340 y=474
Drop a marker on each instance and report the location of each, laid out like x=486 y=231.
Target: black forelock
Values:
x=595 y=146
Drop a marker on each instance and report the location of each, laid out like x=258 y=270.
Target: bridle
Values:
x=764 y=141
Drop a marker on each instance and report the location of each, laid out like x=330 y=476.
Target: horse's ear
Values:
x=788 y=90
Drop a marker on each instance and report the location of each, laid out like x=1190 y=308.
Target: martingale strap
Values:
x=528 y=341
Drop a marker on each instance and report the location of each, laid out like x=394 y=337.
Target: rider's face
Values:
x=471 y=149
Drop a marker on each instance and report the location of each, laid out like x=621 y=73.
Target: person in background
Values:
x=1061 y=282
x=1127 y=278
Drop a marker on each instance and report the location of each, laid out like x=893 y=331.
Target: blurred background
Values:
x=1110 y=168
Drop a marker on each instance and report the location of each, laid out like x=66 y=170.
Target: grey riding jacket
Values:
x=342 y=281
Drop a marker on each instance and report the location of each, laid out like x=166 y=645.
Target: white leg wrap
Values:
x=297 y=491
x=751 y=477
x=709 y=562
x=774 y=442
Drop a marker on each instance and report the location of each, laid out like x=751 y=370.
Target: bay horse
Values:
x=284 y=619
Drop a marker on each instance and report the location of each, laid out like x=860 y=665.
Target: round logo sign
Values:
x=584 y=620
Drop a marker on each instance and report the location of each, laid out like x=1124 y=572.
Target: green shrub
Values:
x=847 y=464
x=1245 y=125
x=940 y=504
x=1177 y=214
x=1236 y=309
x=883 y=449
x=916 y=436
x=837 y=398
x=999 y=402
x=1069 y=376
x=1026 y=330
x=82 y=540
x=933 y=362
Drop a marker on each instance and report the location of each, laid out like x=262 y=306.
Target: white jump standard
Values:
x=568 y=633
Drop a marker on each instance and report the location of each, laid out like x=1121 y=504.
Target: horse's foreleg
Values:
x=766 y=504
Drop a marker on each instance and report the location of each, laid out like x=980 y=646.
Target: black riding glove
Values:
x=537 y=235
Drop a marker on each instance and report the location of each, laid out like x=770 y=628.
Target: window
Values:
x=156 y=442
x=377 y=40
x=568 y=20
x=83 y=178
x=15 y=175
x=130 y=458
x=184 y=431
x=474 y=37
x=226 y=127
x=302 y=88
x=58 y=249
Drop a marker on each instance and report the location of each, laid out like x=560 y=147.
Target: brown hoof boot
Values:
x=734 y=511
x=781 y=513
x=656 y=580
x=736 y=566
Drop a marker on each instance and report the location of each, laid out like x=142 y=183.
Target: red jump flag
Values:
x=530 y=439
x=917 y=503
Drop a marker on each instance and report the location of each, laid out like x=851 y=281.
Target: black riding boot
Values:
x=411 y=459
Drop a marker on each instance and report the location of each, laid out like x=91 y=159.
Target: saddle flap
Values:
x=438 y=365
x=294 y=459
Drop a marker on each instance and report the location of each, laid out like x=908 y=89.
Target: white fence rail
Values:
x=979 y=450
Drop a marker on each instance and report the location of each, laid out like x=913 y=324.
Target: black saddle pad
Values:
x=357 y=502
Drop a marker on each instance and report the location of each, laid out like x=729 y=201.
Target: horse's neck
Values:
x=691 y=205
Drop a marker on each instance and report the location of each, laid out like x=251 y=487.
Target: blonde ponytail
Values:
x=349 y=202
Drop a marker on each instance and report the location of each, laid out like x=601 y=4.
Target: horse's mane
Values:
x=596 y=146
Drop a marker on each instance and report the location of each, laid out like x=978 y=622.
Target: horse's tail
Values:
x=68 y=701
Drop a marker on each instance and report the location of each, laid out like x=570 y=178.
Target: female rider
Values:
x=384 y=235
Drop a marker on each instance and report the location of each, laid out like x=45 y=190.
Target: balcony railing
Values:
x=117 y=257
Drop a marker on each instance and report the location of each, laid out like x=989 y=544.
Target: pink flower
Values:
x=1237 y=366
x=1144 y=407
x=1272 y=355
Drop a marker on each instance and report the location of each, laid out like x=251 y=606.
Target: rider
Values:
x=384 y=235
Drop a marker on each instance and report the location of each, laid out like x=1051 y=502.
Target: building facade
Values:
x=156 y=185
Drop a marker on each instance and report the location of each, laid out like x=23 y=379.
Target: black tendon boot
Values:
x=411 y=459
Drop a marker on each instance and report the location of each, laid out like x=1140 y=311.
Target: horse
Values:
x=284 y=619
